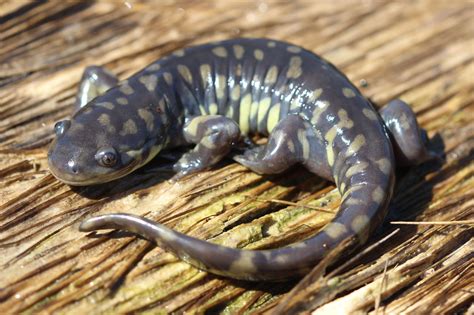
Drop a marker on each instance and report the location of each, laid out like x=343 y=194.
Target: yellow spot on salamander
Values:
x=350 y=190
x=282 y=258
x=153 y=67
x=230 y=112
x=220 y=52
x=104 y=120
x=315 y=95
x=192 y=127
x=129 y=128
x=355 y=145
x=271 y=76
x=179 y=53
x=107 y=105
x=263 y=107
x=384 y=165
x=125 y=88
x=299 y=245
x=168 y=78
x=213 y=109
x=295 y=103
x=349 y=93
x=238 y=70
x=238 y=51
x=148 y=118
x=330 y=136
x=185 y=73
x=205 y=71
x=354 y=202
x=378 y=195
x=303 y=140
x=369 y=114
x=122 y=101
x=293 y=49
x=235 y=95
x=342 y=187
x=335 y=230
x=294 y=68
x=344 y=121
x=356 y=168
x=244 y=113
x=86 y=110
x=291 y=145
x=271 y=44
x=273 y=117
x=258 y=54
x=319 y=108
x=149 y=81
x=135 y=154
x=202 y=110
x=360 y=224
x=221 y=84
x=208 y=143
x=404 y=121
x=244 y=264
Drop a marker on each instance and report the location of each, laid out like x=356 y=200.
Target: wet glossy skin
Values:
x=214 y=95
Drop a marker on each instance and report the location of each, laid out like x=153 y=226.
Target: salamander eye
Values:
x=61 y=126
x=106 y=157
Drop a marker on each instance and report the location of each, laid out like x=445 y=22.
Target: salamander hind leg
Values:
x=94 y=82
x=408 y=139
x=293 y=140
x=214 y=137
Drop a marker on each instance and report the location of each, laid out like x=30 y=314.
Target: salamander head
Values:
x=88 y=151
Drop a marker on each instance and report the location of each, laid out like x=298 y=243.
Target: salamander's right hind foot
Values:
x=409 y=140
x=291 y=141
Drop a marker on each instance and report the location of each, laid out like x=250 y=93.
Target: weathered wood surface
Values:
x=420 y=51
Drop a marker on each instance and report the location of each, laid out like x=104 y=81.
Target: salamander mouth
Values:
x=84 y=180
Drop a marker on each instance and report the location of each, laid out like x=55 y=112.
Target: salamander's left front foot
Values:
x=408 y=139
x=214 y=137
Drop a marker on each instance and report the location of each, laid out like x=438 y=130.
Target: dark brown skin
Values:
x=211 y=96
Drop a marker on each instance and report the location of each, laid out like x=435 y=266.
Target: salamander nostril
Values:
x=73 y=166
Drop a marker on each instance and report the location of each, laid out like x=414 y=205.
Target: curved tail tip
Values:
x=97 y=223
x=109 y=221
x=88 y=225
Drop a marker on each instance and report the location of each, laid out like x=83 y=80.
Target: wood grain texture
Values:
x=422 y=52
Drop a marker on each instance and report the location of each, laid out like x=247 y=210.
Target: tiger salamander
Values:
x=216 y=94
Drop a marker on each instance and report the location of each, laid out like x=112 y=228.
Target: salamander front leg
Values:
x=408 y=139
x=214 y=137
x=293 y=140
x=94 y=82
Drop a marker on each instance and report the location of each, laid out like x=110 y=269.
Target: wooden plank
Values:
x=421 y=52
